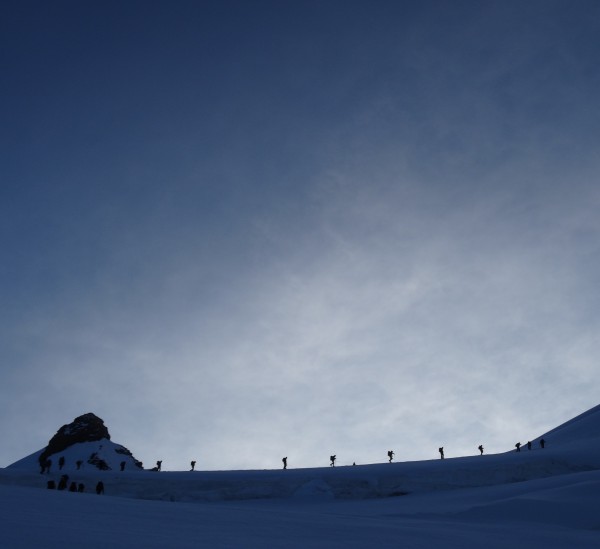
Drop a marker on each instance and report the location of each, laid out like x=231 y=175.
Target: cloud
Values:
x=390 y=250
x=400 y=318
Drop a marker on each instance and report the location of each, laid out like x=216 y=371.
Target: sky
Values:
x=238 y=231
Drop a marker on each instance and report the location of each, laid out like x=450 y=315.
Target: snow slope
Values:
x=104 y=450
x=540 y=498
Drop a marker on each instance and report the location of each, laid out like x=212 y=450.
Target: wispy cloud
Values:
x=388 y=243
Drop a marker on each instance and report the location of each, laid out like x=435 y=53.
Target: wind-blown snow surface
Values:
x=540 y=498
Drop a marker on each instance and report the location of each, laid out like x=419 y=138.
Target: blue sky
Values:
x=242 y=230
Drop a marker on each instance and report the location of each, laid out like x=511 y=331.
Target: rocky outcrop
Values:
x=85 y=428
x=81 y=445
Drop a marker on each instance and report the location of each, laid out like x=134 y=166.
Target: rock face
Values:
x=82 y=444
x=85 y=428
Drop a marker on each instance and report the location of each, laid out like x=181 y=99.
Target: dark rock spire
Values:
x=85 y=428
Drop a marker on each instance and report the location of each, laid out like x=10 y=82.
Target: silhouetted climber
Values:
x=51 y=485
x=81 y=488
x=542 y=442
x=122 y=464
x=158 y=465
x=441 y=451
x=62 y=483
x=79 y=463
x=100 y=487
x=529 y=445
x=480 y=448
x=193 y=465
x=391 y=455
x=518 y=446
x=73 y=487
x=61 y=463
x=284 y=462
x=332 y=459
